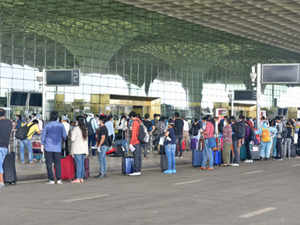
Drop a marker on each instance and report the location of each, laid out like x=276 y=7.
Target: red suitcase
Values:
x=67 y=168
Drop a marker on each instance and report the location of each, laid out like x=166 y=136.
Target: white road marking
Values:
x=85 y=198
x=257 y=212
x=32 y=181
x=296 y=165
x=188 y=182
x=253 y=172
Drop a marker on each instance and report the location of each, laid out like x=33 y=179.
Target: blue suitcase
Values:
x=217 y=157
x=197 y=158
x=127 y=165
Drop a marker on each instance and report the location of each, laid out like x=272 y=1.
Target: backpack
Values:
x=265 y=136
x=143 y=136
x=22 y=132
x=240 y=129
x=194 y=131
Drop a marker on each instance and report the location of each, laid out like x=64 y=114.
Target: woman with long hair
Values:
x=80 y=148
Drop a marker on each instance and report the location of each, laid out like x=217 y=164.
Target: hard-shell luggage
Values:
x=67 y=168
x=163 y=162
x=127 y=165
x=254 y=150
x=243 y=153
x=217 y=157
x=293 y=151
x=197 y=157
x=9 y=167
x=194 y=143
x=86 y=168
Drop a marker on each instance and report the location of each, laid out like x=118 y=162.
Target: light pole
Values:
x=256 y=75
x=231 y=98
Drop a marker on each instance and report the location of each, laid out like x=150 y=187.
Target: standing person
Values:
x=52 y=136
x=208 y=135
x=135 y=145
x=19 y=122
x=103 y=145
x=238 y=136
x=67 y=127
x=266 y=140
x=288 y=139
x=80 y=147
x=111 y=131
x=33 y=129
x=5 y=131
x=155 y=131
x=280 y=139
x=249 y=136
x=195 y=133
x=148 y=124
x=170 y=149
x=92 y=127
x=179 y=134
x=274 y=140
x=122 y=130
x=186 y=136
x=227 y=139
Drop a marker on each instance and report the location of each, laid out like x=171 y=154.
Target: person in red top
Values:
x=135 y=145
x=208 y=134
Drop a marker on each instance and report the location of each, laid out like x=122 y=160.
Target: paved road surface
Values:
x=266 y=193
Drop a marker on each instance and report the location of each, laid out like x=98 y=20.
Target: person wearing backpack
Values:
x=195 y=134
x=135 y=144
x=238 y=129
x=266 y=140
x=32 y=128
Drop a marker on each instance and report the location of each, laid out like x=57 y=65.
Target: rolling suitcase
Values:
x=9 y=167
x=163 y=162
x=243 y=153
x=127 y=165
x=293 y=151
x=67 y=168
x=255 y=154
x=197 y=156
x=217 y=157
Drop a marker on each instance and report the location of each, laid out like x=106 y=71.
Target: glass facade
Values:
x=124 y=50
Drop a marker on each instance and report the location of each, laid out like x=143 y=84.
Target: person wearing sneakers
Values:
x=208 y=135
x=52 y=136
x=5 y=131
x=266 y=140
x=80 y=147
x=135 y=145
x=170 y=149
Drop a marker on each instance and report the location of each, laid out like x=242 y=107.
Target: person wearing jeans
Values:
x=170 y=148
x=103 y=145
x=80 y=147
x=52 y=136
x=179 y=124
x=34 y=128
x=135 y=144
x=207 y=150
x=5 y=131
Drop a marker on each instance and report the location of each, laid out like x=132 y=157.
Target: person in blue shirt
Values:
x=52 y=136
x=170 y=147
x=266 y=133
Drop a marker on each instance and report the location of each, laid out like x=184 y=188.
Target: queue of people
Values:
x=93 y=135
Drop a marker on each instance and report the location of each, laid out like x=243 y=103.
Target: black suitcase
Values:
x=9 y=167
x=255 y=152
x=163 y=163
x=293 y=151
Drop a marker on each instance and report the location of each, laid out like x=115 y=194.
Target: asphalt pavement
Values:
x=265 y=193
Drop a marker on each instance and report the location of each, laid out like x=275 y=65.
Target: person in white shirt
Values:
x=64 y=121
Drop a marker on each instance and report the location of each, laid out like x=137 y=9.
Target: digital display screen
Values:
x=36 y=99
x=280 y=73
x=246 y=95
x=59 y=77
x=18 y=98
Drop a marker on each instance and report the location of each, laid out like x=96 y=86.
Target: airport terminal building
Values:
x=151 y=56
